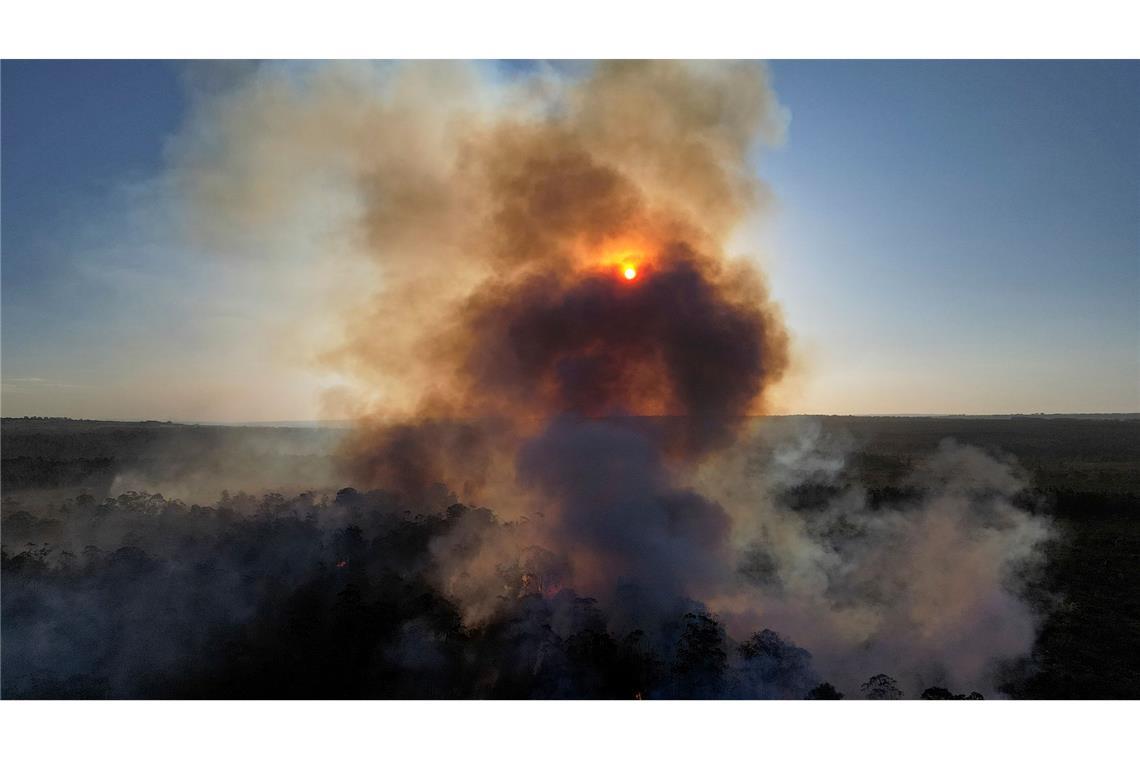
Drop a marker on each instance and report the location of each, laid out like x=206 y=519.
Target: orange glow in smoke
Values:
x=626 y=259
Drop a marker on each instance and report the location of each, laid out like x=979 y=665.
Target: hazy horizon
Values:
x=348 y=422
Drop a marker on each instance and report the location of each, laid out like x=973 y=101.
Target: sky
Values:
x=944 y=237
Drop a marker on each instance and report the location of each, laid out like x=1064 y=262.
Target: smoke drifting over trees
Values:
x=366 y=594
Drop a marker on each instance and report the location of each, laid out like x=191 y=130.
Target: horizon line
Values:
x=346 y=422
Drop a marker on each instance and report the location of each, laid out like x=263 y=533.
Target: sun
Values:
x=629 y=273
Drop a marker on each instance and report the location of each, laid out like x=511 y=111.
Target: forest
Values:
x=334 y=592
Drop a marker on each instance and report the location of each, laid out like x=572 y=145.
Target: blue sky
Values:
x=73 y=132
x=963 y=236
x=948 y=237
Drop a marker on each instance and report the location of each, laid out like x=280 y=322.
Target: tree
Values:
x=772 y=667
x=881 y=686
x=939 y=692
x=701 y=659
x=824 y=691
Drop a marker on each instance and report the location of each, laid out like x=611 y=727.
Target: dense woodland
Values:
x=330 y=596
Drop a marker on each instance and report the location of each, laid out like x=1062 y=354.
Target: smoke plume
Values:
x=500 y=350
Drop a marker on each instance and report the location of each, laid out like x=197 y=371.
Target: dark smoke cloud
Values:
x=544 y=206
x=679 y=343
x=533 y=212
